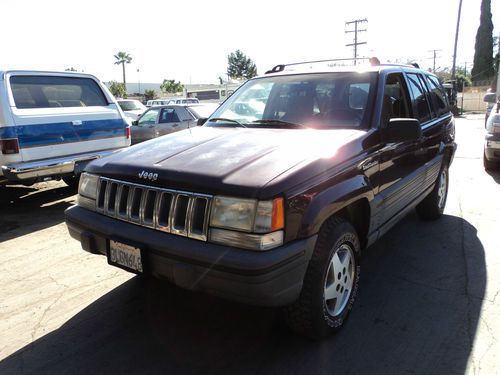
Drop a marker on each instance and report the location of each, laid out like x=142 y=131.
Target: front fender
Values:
x=331 y=200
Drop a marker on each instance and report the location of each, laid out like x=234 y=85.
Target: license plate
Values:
x=125 y=256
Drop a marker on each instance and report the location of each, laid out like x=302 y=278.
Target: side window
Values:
x=183 y=114
x=168 y=115
x=420 y=103
x=438 y=96
x=149 y=117
x=395 y=101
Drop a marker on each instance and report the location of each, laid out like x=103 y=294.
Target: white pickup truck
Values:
x=53 y=123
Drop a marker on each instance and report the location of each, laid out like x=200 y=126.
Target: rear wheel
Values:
x=330 y=284
x=432 y=207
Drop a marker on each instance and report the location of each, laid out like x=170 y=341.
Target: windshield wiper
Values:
x=279 y=122
x=230 y=120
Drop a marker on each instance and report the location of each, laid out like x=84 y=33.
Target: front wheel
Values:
x=72 y=181
x=432 y=207
x=330 y=284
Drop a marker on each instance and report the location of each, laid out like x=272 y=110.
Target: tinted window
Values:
x=438 y=96
x=168 y=115
x=47 y=92
x=395 y=101
x=420 y=103
x=183 y=114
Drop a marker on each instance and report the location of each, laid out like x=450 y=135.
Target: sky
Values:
x=189 y=41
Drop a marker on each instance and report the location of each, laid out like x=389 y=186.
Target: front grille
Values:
x=177 y=212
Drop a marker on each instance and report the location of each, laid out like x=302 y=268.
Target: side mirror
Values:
x=490 y=97
x=201 y=121
x=135 y=122
x=401 y=130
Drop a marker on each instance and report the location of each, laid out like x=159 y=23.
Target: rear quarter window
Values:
x=53 y=92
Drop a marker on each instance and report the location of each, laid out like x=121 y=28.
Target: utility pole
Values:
x=355 y=31
x=434 y=59
x=456 y=41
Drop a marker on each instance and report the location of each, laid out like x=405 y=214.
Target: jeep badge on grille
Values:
x=145 y=175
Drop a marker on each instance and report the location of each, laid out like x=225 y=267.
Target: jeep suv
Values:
x=272 y=201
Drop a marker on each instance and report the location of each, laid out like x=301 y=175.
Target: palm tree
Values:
x=123 y=58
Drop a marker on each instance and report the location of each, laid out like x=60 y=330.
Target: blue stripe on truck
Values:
x=63 y=132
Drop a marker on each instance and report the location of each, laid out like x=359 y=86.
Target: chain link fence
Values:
x=472 y=98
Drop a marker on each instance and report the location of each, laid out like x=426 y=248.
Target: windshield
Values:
x=325 y=100
x=131 y=105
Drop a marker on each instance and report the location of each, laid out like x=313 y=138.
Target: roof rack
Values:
x=281 y=67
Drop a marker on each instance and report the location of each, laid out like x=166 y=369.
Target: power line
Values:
x=434 y=56
x=355 y=31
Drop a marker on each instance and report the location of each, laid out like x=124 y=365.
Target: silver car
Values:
x=162 y=120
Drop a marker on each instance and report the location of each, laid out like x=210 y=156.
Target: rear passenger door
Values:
x=431 y=109
x=186 y=118
x=168 y=121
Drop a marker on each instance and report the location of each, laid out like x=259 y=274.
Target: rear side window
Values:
x=438 y=96
x=52 y=92
x=420 y=102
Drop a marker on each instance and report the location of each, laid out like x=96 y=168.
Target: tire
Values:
x=432 y=207
x=72 y=181
x=489 y=165
x=330 y=284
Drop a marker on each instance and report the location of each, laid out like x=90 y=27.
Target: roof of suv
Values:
x=325 y=67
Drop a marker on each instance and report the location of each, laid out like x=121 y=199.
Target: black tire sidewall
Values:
x=341 y=233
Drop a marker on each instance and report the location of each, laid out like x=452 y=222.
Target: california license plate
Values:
x=125 y=256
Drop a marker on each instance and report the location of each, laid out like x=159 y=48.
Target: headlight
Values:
x=88 y=185
x=237 y=215
x=233 y=213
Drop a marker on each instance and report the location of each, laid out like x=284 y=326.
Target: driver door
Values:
x=145 y=128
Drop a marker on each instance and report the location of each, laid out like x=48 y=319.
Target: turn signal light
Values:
x=278 y=216
x=9 y=146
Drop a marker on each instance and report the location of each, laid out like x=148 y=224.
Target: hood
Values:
x=223 y=160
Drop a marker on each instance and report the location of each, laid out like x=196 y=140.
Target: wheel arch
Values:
x=349 y=199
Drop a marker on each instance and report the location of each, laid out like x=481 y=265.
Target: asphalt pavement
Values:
x=428 y=301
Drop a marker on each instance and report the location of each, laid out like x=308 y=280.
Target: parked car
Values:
x=491 y=155
x=161 y=120
x=183 y=101
x=156 y=102
x=52 y=124
x=132 y=108
x=490 y=98
x=275 y=204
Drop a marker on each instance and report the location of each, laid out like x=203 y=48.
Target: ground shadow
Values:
x=420 y=297
x=495 y=175
x=25 y=210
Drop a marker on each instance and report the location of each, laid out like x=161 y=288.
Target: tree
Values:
x=240 y=66
x=483 y=56
x=70 y=69
x=170 y=86
x=118 y=89
x=123 y=58
x=150 y=94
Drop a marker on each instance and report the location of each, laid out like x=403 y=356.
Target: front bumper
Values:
x=51 y=167
x=268 y=278
x=492 y=147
